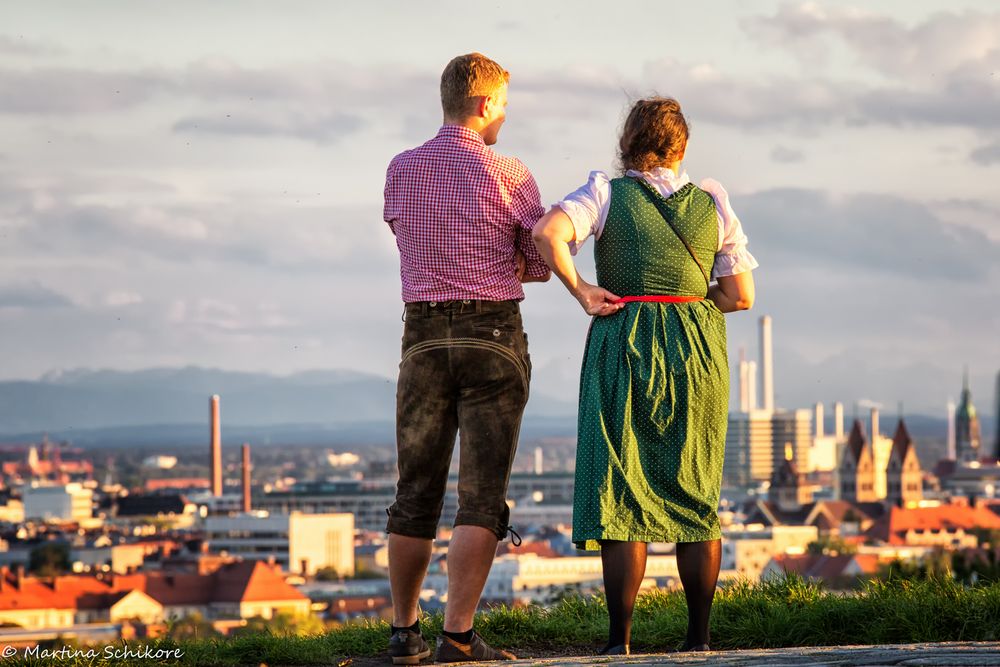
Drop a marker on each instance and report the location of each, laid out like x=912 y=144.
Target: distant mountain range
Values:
x=167 y=406
x=171 y=405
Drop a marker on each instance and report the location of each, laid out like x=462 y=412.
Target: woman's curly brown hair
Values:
x=655 y=134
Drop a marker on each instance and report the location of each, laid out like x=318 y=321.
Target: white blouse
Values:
x=588 y=207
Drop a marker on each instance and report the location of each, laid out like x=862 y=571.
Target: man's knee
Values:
x=495 y=518
x=412 y=520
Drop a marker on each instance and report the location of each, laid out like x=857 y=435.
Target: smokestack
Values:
x=819 y=420
x=767 y=362
x=874 y=427
x=216 y=448
x=539 y=465
x=752 y=385
x=951 y=430
x=246 y=478
x=838 y=420
x=744 y=394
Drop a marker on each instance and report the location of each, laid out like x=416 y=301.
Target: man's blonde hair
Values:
x=466 y=77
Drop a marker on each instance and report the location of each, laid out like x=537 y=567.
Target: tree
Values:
x=191 y=627
x=49 y=560
x=831 y=546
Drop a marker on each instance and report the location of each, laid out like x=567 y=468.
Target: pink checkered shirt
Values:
x=459 y=211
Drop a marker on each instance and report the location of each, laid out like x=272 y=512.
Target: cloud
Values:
x=122 y=298
x=32 y=296
x=323 y=127
x=944 y=42
x=785 y=155
x=986 y=155
x=47 y=220
x=77 y=91
x=879 y=234
x=19 y=46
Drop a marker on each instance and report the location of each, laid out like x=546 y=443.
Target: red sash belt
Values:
x=660 y=298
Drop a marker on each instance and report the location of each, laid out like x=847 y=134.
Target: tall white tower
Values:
x=767 y=363
x=744 y=390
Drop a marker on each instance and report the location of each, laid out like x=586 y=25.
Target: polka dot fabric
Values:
x=654 y=388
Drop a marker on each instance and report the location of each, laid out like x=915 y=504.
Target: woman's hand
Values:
x=596 y=300
x=552 y=234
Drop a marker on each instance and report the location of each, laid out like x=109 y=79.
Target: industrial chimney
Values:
x=744 y=392
x=838 y=420
x=752 y=385
x=819 y=420
x=874 y=427
x=216 y=448
x=767 y=362
x=246 y=478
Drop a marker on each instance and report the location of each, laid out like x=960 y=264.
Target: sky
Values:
x=201 y=183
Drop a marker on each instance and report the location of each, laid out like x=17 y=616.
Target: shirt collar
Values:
x=461 y=132
x=662 y=176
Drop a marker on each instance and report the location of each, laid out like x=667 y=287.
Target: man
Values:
x=462 y=215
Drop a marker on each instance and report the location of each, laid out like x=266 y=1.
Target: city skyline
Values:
x=216 y=200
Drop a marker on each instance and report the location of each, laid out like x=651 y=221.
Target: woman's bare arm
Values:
x=552 y=235
x=733 y=292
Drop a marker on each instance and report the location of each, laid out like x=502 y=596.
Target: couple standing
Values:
x=654 y=388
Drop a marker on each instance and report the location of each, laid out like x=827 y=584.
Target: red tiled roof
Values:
x=252 y=581
x=177 y=483
x=31 y=594
x=242 y=581
x=826 y=567
x=892 y=527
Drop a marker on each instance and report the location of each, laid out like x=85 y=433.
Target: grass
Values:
x=787 y=612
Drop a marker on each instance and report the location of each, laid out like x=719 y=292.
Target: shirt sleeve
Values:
x=527 y=207
x=587 y=207
x=732 y=257
x=389 y=207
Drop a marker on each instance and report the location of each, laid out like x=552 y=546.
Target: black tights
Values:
x=624 y=566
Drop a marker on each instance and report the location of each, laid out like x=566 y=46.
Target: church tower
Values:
x=968 y=438
x=857 y=468
x=904 y=478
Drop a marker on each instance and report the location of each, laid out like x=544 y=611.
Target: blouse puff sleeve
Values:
x=732 y=256
x=587 y=208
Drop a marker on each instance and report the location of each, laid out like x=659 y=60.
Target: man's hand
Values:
x=597 y=300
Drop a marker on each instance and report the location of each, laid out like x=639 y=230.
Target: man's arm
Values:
x=389 y=212
x=528 y=209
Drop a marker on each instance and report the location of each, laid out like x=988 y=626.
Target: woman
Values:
x=654 y=389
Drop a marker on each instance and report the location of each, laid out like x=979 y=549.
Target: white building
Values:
x=64 y=502
x=299 y=543
x=747 y=551
x=531 y=579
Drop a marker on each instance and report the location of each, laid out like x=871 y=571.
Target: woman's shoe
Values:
x=696 y=647
x=619 y=649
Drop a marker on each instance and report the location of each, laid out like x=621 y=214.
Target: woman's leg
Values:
x=624 y=566
x=698 y=565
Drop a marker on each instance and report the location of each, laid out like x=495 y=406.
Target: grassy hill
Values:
x=783 y=613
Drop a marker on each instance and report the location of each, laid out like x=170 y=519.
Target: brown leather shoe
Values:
x=449 y=650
